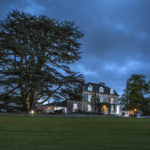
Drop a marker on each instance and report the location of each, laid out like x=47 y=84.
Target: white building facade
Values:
x=107 y=101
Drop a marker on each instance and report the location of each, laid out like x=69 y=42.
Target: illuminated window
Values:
x=112 y=100
x=89 y=98
x=101 y=99
x=90 y=88
x=89 y=108
x=111 y=91
x=75 y=106
x=101 y=89
x=118 y=109
x=112 y=109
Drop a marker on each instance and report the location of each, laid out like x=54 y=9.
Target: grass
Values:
x=66 y=133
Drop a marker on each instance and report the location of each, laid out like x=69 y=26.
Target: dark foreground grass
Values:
x=86 y=133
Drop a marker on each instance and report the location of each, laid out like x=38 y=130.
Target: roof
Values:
x=14 y=104
x=97 y=86
x=61 y=104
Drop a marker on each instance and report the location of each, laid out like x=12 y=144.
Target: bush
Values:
x=146 y=113
x=80 y=111
x=59 y=111
x=133 y=115
x=123 y=113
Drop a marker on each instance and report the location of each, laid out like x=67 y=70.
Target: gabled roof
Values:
x=97 y=86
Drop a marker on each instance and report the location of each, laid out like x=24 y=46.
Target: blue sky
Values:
x=116 y=40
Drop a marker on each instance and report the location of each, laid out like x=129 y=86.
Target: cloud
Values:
x=117 y=34
x=123 y=69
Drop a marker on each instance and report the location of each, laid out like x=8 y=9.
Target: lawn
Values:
x=73 y=133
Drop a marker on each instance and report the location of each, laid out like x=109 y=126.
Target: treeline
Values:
x=137 y=93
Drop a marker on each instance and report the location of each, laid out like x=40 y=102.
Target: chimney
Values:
x=83 y=81
x=102 y=83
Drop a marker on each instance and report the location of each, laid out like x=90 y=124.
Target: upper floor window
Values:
x=111 y=91
x=101 y=99
x=101 y=89
x=89 y=98
x=90 y=88
x=112 y=100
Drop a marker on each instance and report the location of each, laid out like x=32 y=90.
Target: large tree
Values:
x=36 y=52
x=136 y=94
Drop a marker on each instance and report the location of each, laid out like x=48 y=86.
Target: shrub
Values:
x=80 y=111
x=59 y=111
x=123 y=113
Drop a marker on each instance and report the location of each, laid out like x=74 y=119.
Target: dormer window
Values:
x=111 y=91
x=90 y=88
x=101 y=89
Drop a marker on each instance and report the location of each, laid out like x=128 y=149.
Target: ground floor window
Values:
x=75 y=107
x=89 y=108
x=112 y=110
x=104 y=109
x=117 y=109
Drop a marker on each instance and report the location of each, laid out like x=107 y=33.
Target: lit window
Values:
x=111 y=91
x=75 y=106
x=101 y=99
x=89 y=98
x=101 y=89
x=112 y=100
x=89 y=108
x=112 y=109
x=118 y=110
x=90 y=88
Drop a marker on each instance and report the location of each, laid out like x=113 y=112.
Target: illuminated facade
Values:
x=104 y=98
x=106 y=103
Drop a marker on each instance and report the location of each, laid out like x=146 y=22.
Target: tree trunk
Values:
x=33 y=99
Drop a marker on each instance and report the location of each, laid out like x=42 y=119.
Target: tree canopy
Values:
x=36 y=52
x=136 y=94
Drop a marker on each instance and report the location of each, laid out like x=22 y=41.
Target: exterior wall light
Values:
x=32 y=112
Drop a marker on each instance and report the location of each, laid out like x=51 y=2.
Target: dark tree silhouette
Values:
x=35 y=56
x=136 y=94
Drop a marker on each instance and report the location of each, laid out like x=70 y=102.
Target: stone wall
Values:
x=106 y=99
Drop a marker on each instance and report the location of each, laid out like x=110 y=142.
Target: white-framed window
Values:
x=101 y=99
x=89 y=108
x=75 y=106
x=90 y=88
x=101 y=89
x=117 y=109
x=89 y=98
x=112 y=109
x=111 y=91
x=112 y=100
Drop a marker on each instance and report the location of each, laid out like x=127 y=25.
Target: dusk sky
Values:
x=116 y=40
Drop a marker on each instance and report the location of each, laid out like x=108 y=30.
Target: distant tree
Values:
x=35 y=57
x=95 y=102
x=136 y=94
